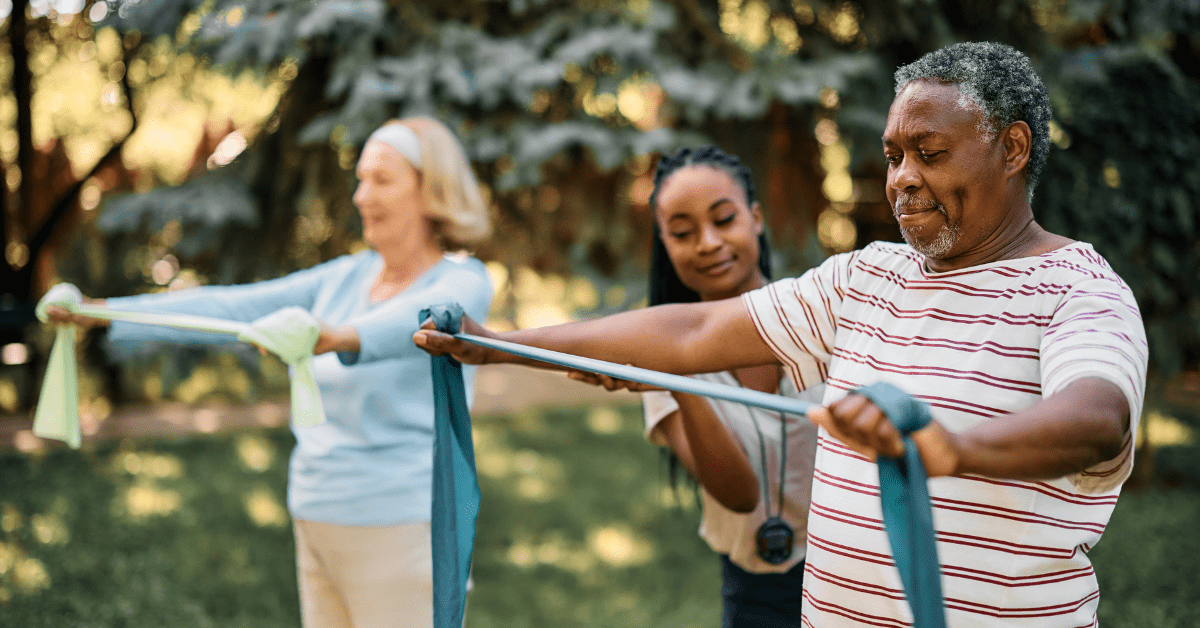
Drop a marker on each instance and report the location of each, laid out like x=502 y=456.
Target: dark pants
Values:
x=766 y=600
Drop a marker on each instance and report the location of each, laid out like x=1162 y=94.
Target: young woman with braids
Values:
x=710 y=244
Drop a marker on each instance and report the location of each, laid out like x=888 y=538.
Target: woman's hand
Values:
x=62 y=316
x=859 y=424
x=435 y=343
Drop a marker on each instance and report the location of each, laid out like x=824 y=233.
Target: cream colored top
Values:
x=732 y=533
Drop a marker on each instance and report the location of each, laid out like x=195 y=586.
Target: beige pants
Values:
x=364 y=577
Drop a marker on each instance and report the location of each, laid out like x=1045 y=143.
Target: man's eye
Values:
x=930 y=154
x=892 y=159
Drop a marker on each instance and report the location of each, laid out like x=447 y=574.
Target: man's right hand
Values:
x=435 y=342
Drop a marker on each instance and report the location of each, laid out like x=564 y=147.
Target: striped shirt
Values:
x=976 y=344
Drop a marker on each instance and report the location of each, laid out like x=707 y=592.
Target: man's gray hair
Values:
x=1000 y=82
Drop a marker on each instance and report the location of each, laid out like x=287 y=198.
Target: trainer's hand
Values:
x=435 y=342
x=859 y=424
x=609 y=383
x=61 y=316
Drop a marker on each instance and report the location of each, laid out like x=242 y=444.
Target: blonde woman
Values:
x=359 y=486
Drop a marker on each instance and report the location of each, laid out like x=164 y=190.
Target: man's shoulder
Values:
x=877 y=260
x=1079 y=274
x=1080 y=261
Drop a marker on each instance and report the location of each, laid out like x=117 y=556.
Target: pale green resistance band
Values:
x=290 y=333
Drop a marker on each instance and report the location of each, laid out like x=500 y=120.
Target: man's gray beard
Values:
x=938 y=247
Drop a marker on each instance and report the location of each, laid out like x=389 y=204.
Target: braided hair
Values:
x=665 y=285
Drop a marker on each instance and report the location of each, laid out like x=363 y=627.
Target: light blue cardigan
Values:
x=371 y=463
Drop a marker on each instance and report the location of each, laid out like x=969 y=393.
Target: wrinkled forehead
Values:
x=930 y=107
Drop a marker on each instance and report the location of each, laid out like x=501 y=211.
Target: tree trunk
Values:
x=275 y=167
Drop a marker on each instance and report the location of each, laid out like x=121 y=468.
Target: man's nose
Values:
x=906 y=175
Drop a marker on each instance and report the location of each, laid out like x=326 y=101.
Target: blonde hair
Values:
x=448 y=186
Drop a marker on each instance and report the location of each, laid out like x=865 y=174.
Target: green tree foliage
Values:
x=538 y=91
x=561 y=105
x=41 y=195
x=1123 y=172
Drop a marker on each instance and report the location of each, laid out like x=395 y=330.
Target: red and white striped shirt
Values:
x=976 y=344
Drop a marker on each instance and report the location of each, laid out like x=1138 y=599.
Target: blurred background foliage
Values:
x=156 y=144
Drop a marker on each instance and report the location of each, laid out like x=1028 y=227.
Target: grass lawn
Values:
x=576 y=529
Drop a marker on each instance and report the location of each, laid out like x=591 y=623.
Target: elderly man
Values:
x=1026 y=345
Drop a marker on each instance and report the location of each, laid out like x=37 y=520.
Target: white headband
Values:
x=401 y=138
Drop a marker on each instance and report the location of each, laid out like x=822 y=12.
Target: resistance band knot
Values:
x=291 y=333
x=57 y=413
x=64 y=295
x=906 y=413
x=447 y=317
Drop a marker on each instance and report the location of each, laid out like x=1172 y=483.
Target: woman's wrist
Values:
x=341 y=339
x=87 y=322
x=347 y=339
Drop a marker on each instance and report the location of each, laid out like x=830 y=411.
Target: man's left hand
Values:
x=859 y=424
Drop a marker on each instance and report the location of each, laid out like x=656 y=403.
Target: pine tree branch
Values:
x=694 y=16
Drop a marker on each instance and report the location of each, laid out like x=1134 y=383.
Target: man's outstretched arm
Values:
x=679 y=338
x=1074 y=429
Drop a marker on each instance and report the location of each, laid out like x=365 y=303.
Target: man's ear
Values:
x=1017 y=140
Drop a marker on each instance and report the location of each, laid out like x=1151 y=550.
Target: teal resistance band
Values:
x=677 y=383
x=907 y=512
x=455 y=486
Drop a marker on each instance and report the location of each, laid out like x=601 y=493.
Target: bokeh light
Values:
x=264 y=509
x=98 y=12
